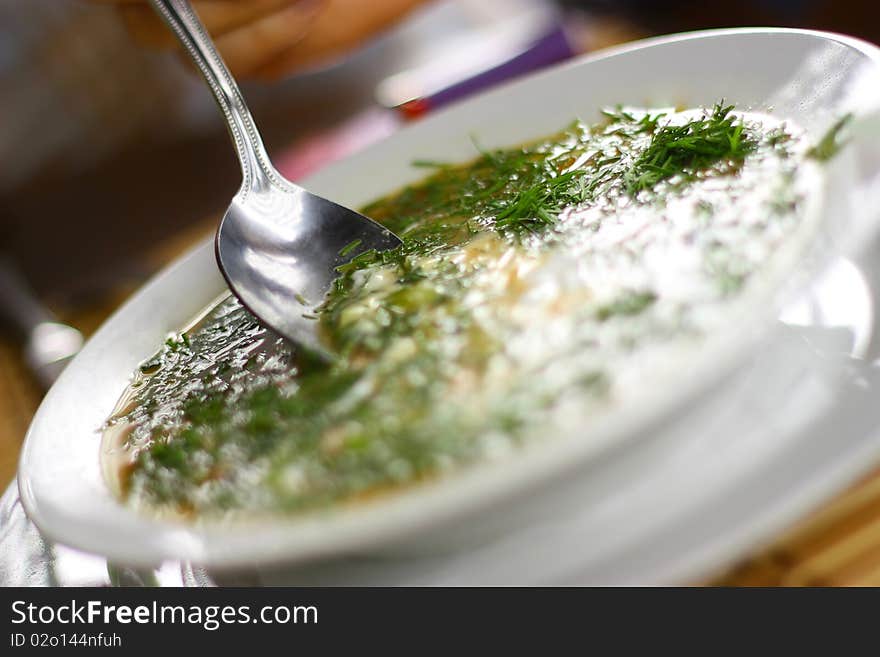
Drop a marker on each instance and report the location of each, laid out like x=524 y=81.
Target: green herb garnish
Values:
x=685 y=150
x=177 y=342
x=351 y=246
x=627 y=305
x=830 y=144
x=540 y=203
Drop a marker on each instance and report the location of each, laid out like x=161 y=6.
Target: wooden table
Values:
x=838 y=545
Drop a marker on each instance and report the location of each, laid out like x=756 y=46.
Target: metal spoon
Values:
x=278 y=245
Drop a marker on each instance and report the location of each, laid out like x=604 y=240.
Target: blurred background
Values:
x=86 y=113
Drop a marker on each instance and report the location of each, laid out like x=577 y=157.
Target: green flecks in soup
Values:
x=536 y=287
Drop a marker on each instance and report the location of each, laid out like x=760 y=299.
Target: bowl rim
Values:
x=463 y=494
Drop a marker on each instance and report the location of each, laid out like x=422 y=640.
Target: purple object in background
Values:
x=311 y=154
x=549 y=49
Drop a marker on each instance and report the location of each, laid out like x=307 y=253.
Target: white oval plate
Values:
x=810 y=77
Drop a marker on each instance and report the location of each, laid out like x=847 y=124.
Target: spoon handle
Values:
x=256 y=168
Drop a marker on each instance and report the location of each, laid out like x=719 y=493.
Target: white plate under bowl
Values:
x=810 y=77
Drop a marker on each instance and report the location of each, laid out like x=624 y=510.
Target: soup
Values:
x=537 y=287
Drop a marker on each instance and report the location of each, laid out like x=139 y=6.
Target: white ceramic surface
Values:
x=810 y=77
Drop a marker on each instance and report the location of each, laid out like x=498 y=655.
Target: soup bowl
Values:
x=809 y=77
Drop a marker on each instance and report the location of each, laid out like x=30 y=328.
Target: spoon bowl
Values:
x=279 y=249
x=278 y=245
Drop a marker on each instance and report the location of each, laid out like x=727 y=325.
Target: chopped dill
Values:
x=627 y=305
x=351 y=246
x=618 y=115
x=429 y=164
x=520 y=191
x=539 y=203
x=777 y=136
x=177 y=342
x=684 y=150
x=830 y=144
x=626 y=123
